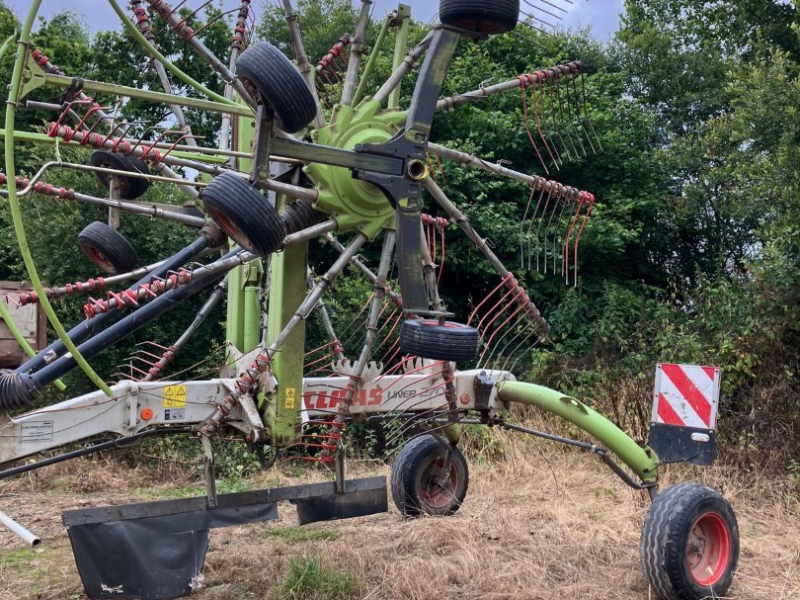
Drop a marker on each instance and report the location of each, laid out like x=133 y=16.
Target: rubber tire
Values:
x=97 y=237
x=130 y=188
x=280 y=84
x=664 y=538
x=483 y=16
x=243 y=214
x=453 y=341
x=406 y=477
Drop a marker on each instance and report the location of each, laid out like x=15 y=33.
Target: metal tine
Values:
x=581 y=121
x=540 y=9
x=581 y=201
x=523 y=87
x=517 y=343
x=556 y=6
x=535 y=18
x=507 y=327
x=543 y=96
x=571 y=118
x=547 y=229
x=530 y=226
x=586 y=112
x=424 y=417
x=556 y=244
x=521 y=329
x=578 y=237
x=534 y=331
x=522 y=228
x=539 y=125
x=520 y=308
x=529 y=40
x=576 y=154
x=539 y=228
x=553 y=114
x=421 y=420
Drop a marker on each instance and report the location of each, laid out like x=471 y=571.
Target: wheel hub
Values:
x=708 y=549
x=354 y=204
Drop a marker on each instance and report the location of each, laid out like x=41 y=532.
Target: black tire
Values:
x=417 y=483
x=274 y=76
x=690 y=543
x=452 y=341
x=130 y=188
x=243 y=214
x=107 y=248
x=483 y=16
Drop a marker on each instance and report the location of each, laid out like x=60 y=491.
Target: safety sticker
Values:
x=36 y=431
x=174 y=414
x=175 y=396
x=289 y=399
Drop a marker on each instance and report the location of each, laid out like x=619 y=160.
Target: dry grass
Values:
x=538 y=524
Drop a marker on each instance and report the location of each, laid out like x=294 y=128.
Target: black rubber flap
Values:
x=152 y=558
x=674 y=444
x=346 y=505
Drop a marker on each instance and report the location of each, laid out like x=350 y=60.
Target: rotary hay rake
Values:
x=303 y=152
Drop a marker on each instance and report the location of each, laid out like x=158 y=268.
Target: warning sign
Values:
x=686 y=395
x=290 y=399
x=175 y=396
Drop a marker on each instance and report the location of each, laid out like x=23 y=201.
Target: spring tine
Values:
x=580 y=232
x=524 y=79
x=538 y=124
x=556 y=6
x=549 y=83
x=522 y=228
x=586 y=112
x=571 y=118
x=528 y=40
x=540 y=9
x=539 y=228
x=581 y=201
x=554 y=113
x=559 y=192
x=536 y=18
x=555 y=236
x=530 y=226
x=578 y=112
x=564 y=121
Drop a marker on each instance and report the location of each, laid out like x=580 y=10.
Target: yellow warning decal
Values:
x=289 y=399
x=175 y=396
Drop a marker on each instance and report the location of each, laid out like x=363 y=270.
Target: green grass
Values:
x=298 y=535
x=224 y=486
x=310 y=579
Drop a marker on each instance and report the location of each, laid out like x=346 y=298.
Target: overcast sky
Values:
x=601 y=15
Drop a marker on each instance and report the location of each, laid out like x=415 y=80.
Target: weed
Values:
x=309 y=579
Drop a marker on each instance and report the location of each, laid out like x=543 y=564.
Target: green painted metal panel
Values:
x=641 y=461
x=287 y=291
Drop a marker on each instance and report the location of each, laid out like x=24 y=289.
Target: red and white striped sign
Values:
x=686 y=395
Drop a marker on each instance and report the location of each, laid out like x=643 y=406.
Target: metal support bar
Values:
x=130 y=92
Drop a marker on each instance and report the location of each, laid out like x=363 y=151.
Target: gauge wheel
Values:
x=429 y=478
x=690 y=543
x=107 y=248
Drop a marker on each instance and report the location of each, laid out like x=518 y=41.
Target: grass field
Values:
x=538 y=524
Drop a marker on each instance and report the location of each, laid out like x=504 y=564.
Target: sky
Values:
x=601 y=15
